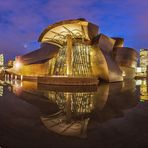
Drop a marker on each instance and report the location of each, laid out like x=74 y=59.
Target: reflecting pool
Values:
x=37 y=115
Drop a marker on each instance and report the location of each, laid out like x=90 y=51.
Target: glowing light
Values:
x=138 y=69
x=17 y=65
x=21 y=77
x=142 y=100
x=123 y=74
x=138 y=82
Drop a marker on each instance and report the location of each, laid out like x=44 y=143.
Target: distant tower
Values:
x=144 y=60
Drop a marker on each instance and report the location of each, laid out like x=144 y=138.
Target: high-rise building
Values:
x=1 y=60
x=144 y=60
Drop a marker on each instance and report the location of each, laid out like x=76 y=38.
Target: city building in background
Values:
x=144 y=58
x=141 y=71
x=74 y=52
x=144 y=61
x=10 y=63
x=1 y=60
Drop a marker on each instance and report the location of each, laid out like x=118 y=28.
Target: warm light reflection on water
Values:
x=144 y=90
x=73 y=110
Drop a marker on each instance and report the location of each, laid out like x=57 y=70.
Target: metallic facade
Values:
x=75 y=48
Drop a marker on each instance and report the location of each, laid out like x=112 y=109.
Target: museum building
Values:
x=75 y=52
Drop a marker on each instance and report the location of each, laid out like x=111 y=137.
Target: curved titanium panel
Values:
x=104 y=42
x=126 y=56
x=103 y=65
x=79 y=28
x=119 y=42
x=46 y=52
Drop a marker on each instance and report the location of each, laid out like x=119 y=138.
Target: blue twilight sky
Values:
x=22 y=21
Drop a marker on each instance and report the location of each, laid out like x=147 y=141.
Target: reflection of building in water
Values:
x=106 y=103
x=75 y=106
x=1 y=90
x=120 y=96
x=2 y=83
x=58 y=124
x=72 y=113
x=144 y=90
x=79 y=103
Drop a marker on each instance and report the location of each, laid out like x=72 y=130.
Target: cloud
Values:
x=21 y=22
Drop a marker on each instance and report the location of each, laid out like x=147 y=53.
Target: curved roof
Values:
x=119 y=41
x=78 y=28
x=126 y=50
x=126 y=56
x=46 y=52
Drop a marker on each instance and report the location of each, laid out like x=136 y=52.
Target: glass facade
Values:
x=81 y=64
x=60 y=62
x=81 y=60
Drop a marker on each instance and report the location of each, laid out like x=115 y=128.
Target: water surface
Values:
x=109 y=114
